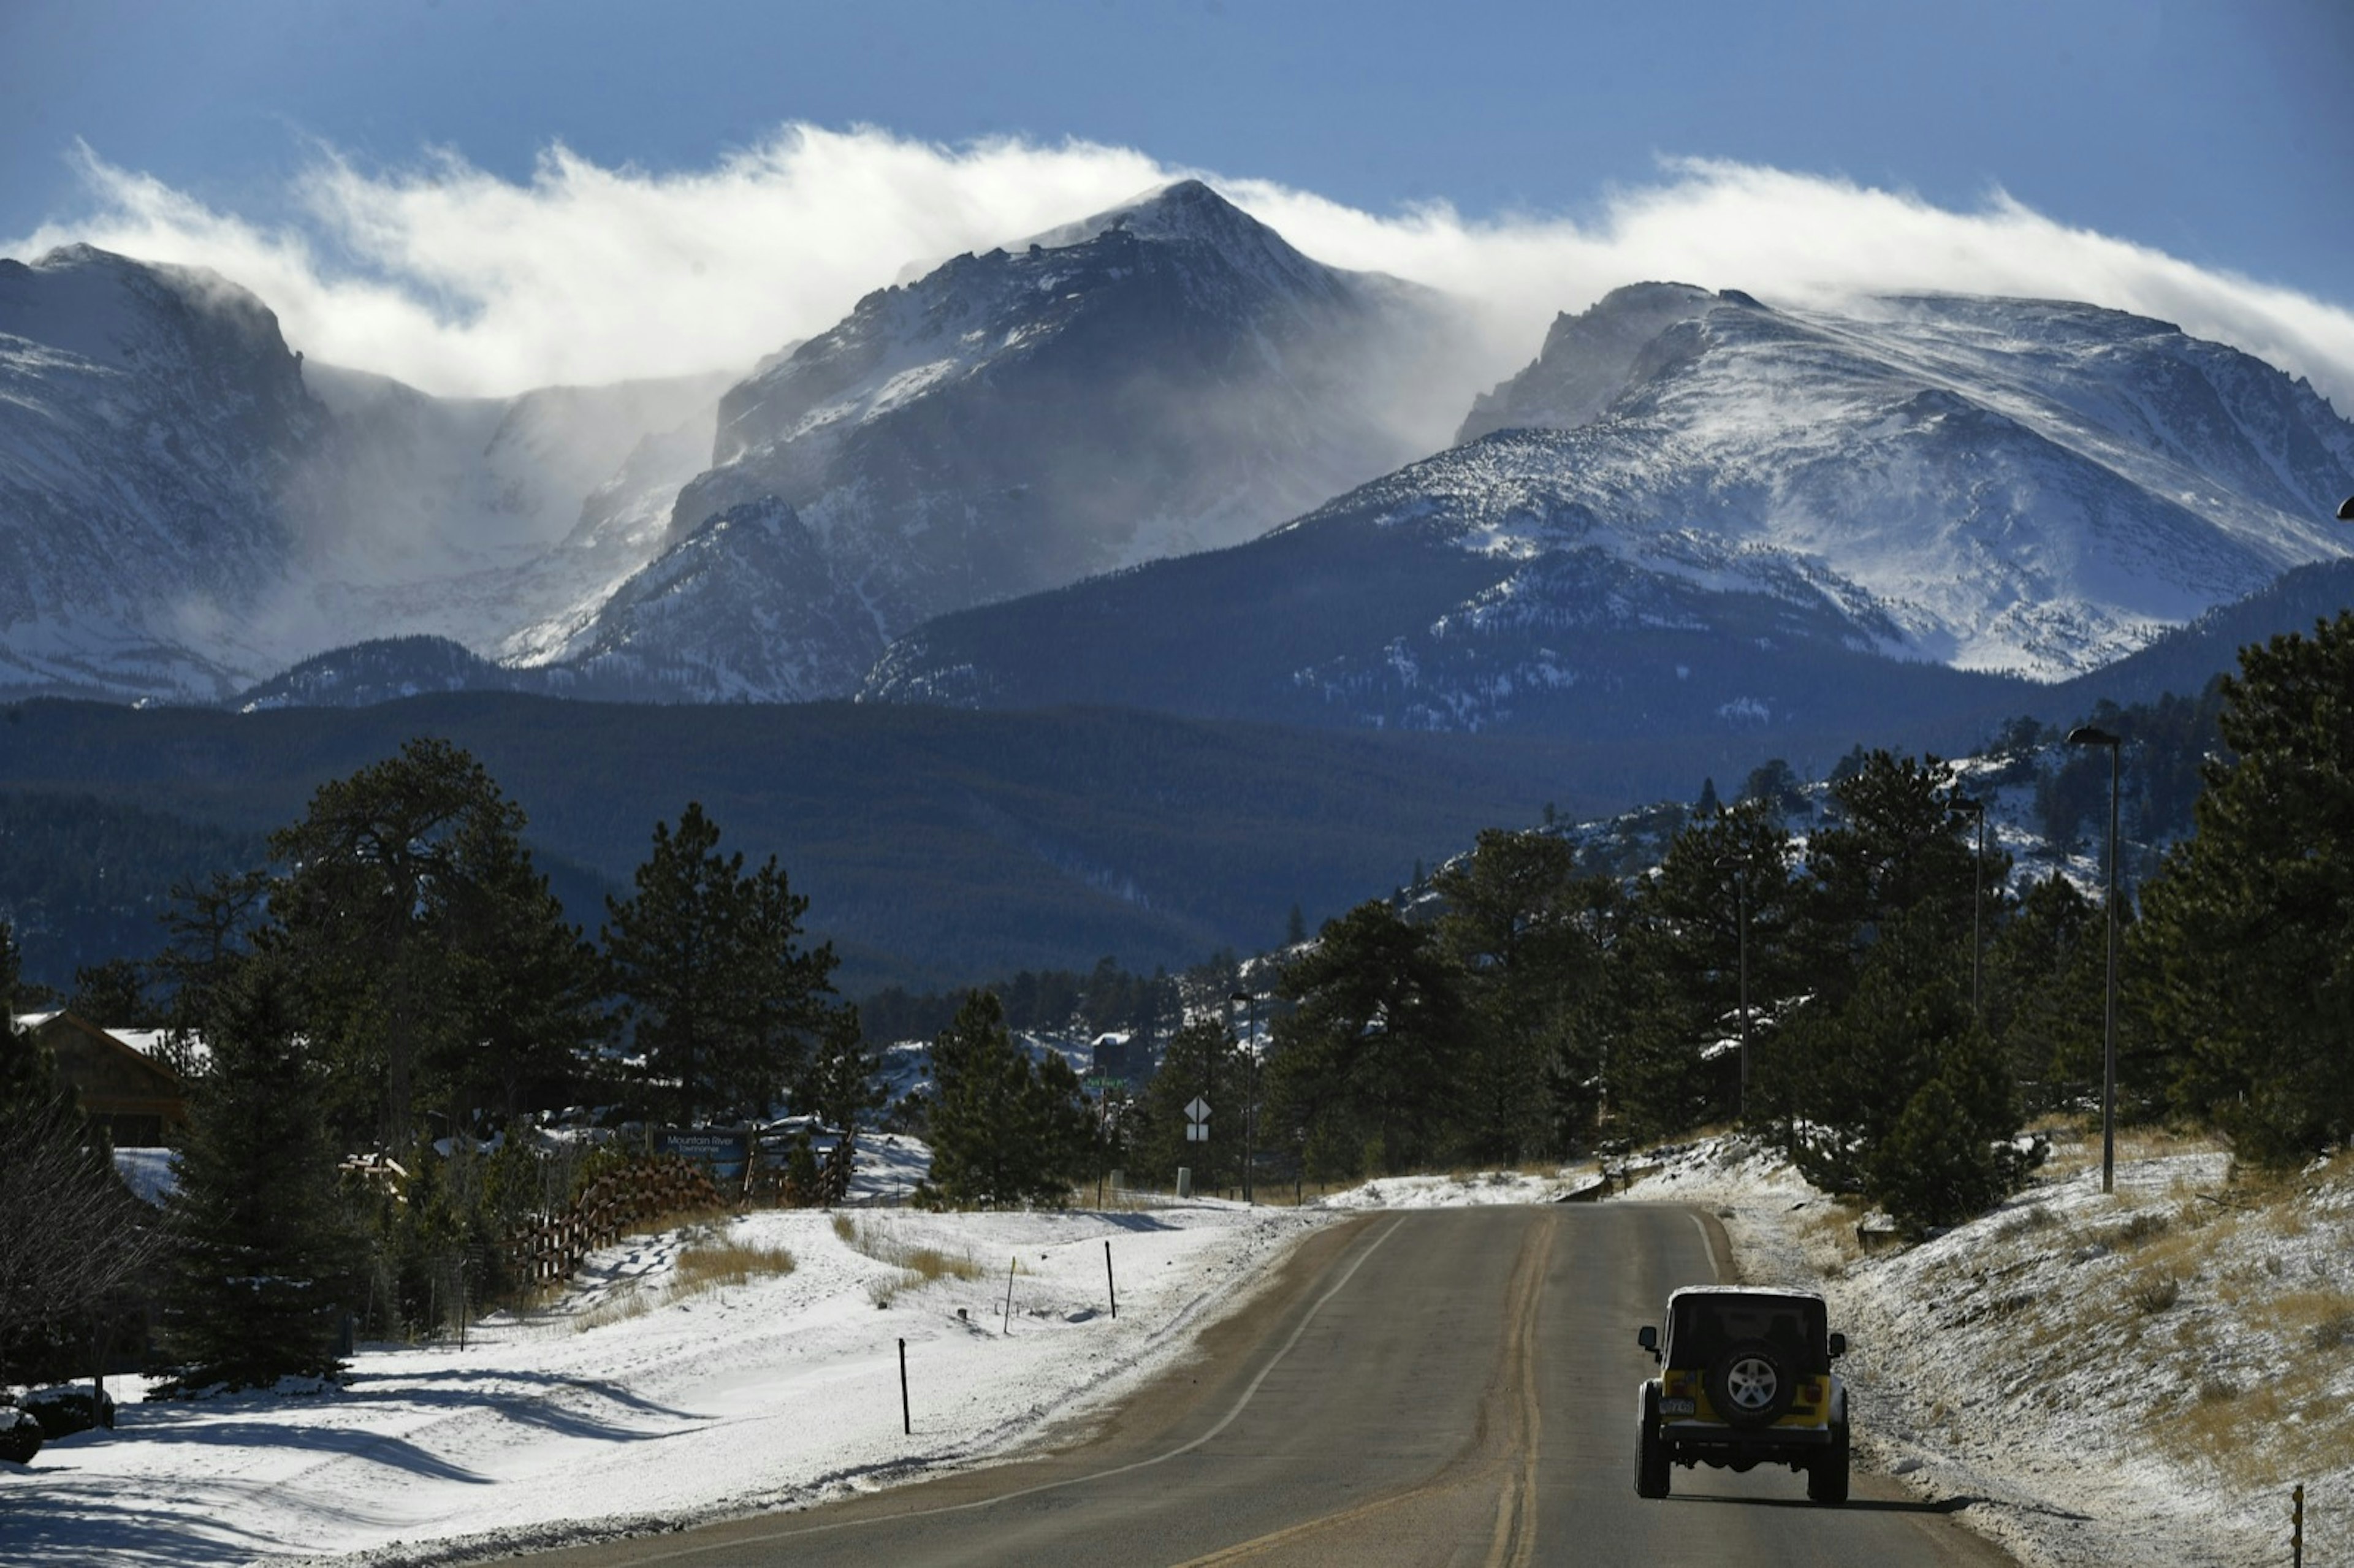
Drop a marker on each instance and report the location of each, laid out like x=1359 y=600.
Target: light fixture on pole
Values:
x=1250 y=1098
x=2345 y=510
x=1978 y=895
x=2086 y=735
x=1740 y=869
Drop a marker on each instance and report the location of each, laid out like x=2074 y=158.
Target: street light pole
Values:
x=2086 y=735
x=1250 y=1096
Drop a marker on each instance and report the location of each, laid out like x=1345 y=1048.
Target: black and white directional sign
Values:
x=1197 y=1121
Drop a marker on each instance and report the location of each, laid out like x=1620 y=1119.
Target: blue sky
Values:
x=2218 y=135
x=2222 y=132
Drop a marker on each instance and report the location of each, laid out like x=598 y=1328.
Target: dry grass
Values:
x=916 y=1265
x=707 y=1261
x=2033 y=1217
x=2154 y=1293
x=2260 y=1435
x=709 y=1265
x=2281 y=1413
x=1828 y=1237
x=2075 y=1149
x=2323 y=1320
x=2147 y=1225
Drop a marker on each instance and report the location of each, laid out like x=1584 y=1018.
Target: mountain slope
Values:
x=2185 y=659
x=938 y=848
x=475 y=518
x=1757 y=517
x=1161 y=378
x=185 y=505
x=149 y=419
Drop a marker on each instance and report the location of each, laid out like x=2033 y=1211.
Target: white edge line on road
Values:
x=1227 y=1420
x=1708 y=1244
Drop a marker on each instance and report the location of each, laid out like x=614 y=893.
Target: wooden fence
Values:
x=552 y=1246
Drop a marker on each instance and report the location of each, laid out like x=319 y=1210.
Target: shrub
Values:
x=20 y=1435
x=1935 y=1169
x=68 y=1408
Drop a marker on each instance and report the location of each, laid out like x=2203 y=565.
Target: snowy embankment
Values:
x=2096 y=1380
x=1464 y=1191
x=631 y=1402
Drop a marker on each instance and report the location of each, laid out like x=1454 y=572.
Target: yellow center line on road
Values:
x=1514 y=1543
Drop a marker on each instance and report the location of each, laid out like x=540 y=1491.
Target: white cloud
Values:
x=458 y=280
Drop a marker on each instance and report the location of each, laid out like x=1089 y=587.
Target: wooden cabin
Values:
x=137 y=1099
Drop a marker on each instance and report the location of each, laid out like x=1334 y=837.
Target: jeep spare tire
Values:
x=1751 y=1385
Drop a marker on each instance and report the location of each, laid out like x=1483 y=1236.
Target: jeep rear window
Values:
x=1704 y=1326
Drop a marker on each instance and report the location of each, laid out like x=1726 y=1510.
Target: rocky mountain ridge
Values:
x=1161 y=378
x=1158 y=378
x=1063 y=471
x=187 y=505
x=1724 y=515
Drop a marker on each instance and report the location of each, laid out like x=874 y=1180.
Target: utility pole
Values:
x=1250 y=1102
x=1740 y=869
x=2086 y=735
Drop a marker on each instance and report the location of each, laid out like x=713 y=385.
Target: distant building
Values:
x=137 y=1099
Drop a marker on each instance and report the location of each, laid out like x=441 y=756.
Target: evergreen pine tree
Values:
x=721 y=1000
x=417 y=933
x=266 y=1252
x=1932 y=1171
x=842 y=1081
x=2248 y=931
x=1519 y=926
x=1002 y=1131
x=113 y=995
x=1365 y=1067
x=1202 y=1060
x=1950 y=1156
x=1678 y=969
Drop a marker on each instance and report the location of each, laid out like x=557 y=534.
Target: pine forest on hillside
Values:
x=393 y=977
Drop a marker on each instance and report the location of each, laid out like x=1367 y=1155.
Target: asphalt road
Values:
x=1447 y=1387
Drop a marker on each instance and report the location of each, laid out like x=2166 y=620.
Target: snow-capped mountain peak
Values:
x=1589 y=359
x=1189 y=213
x=149 y=418
x=1697 y=510
x=1163 y=377
x=94 y=305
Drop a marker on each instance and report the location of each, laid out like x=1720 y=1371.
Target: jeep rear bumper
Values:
x=1698 y=1442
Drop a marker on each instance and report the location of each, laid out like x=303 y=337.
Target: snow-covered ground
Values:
x=2129 y=1379
x=1463 y=1191
x=2126 y=1380
x=620 y=1405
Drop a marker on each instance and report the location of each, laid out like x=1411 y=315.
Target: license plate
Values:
x=1675 y=1407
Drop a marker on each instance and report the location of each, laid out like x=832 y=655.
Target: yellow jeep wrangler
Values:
x=1745 y=1380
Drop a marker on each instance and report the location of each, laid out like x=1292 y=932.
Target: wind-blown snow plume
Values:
x=460 y=281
